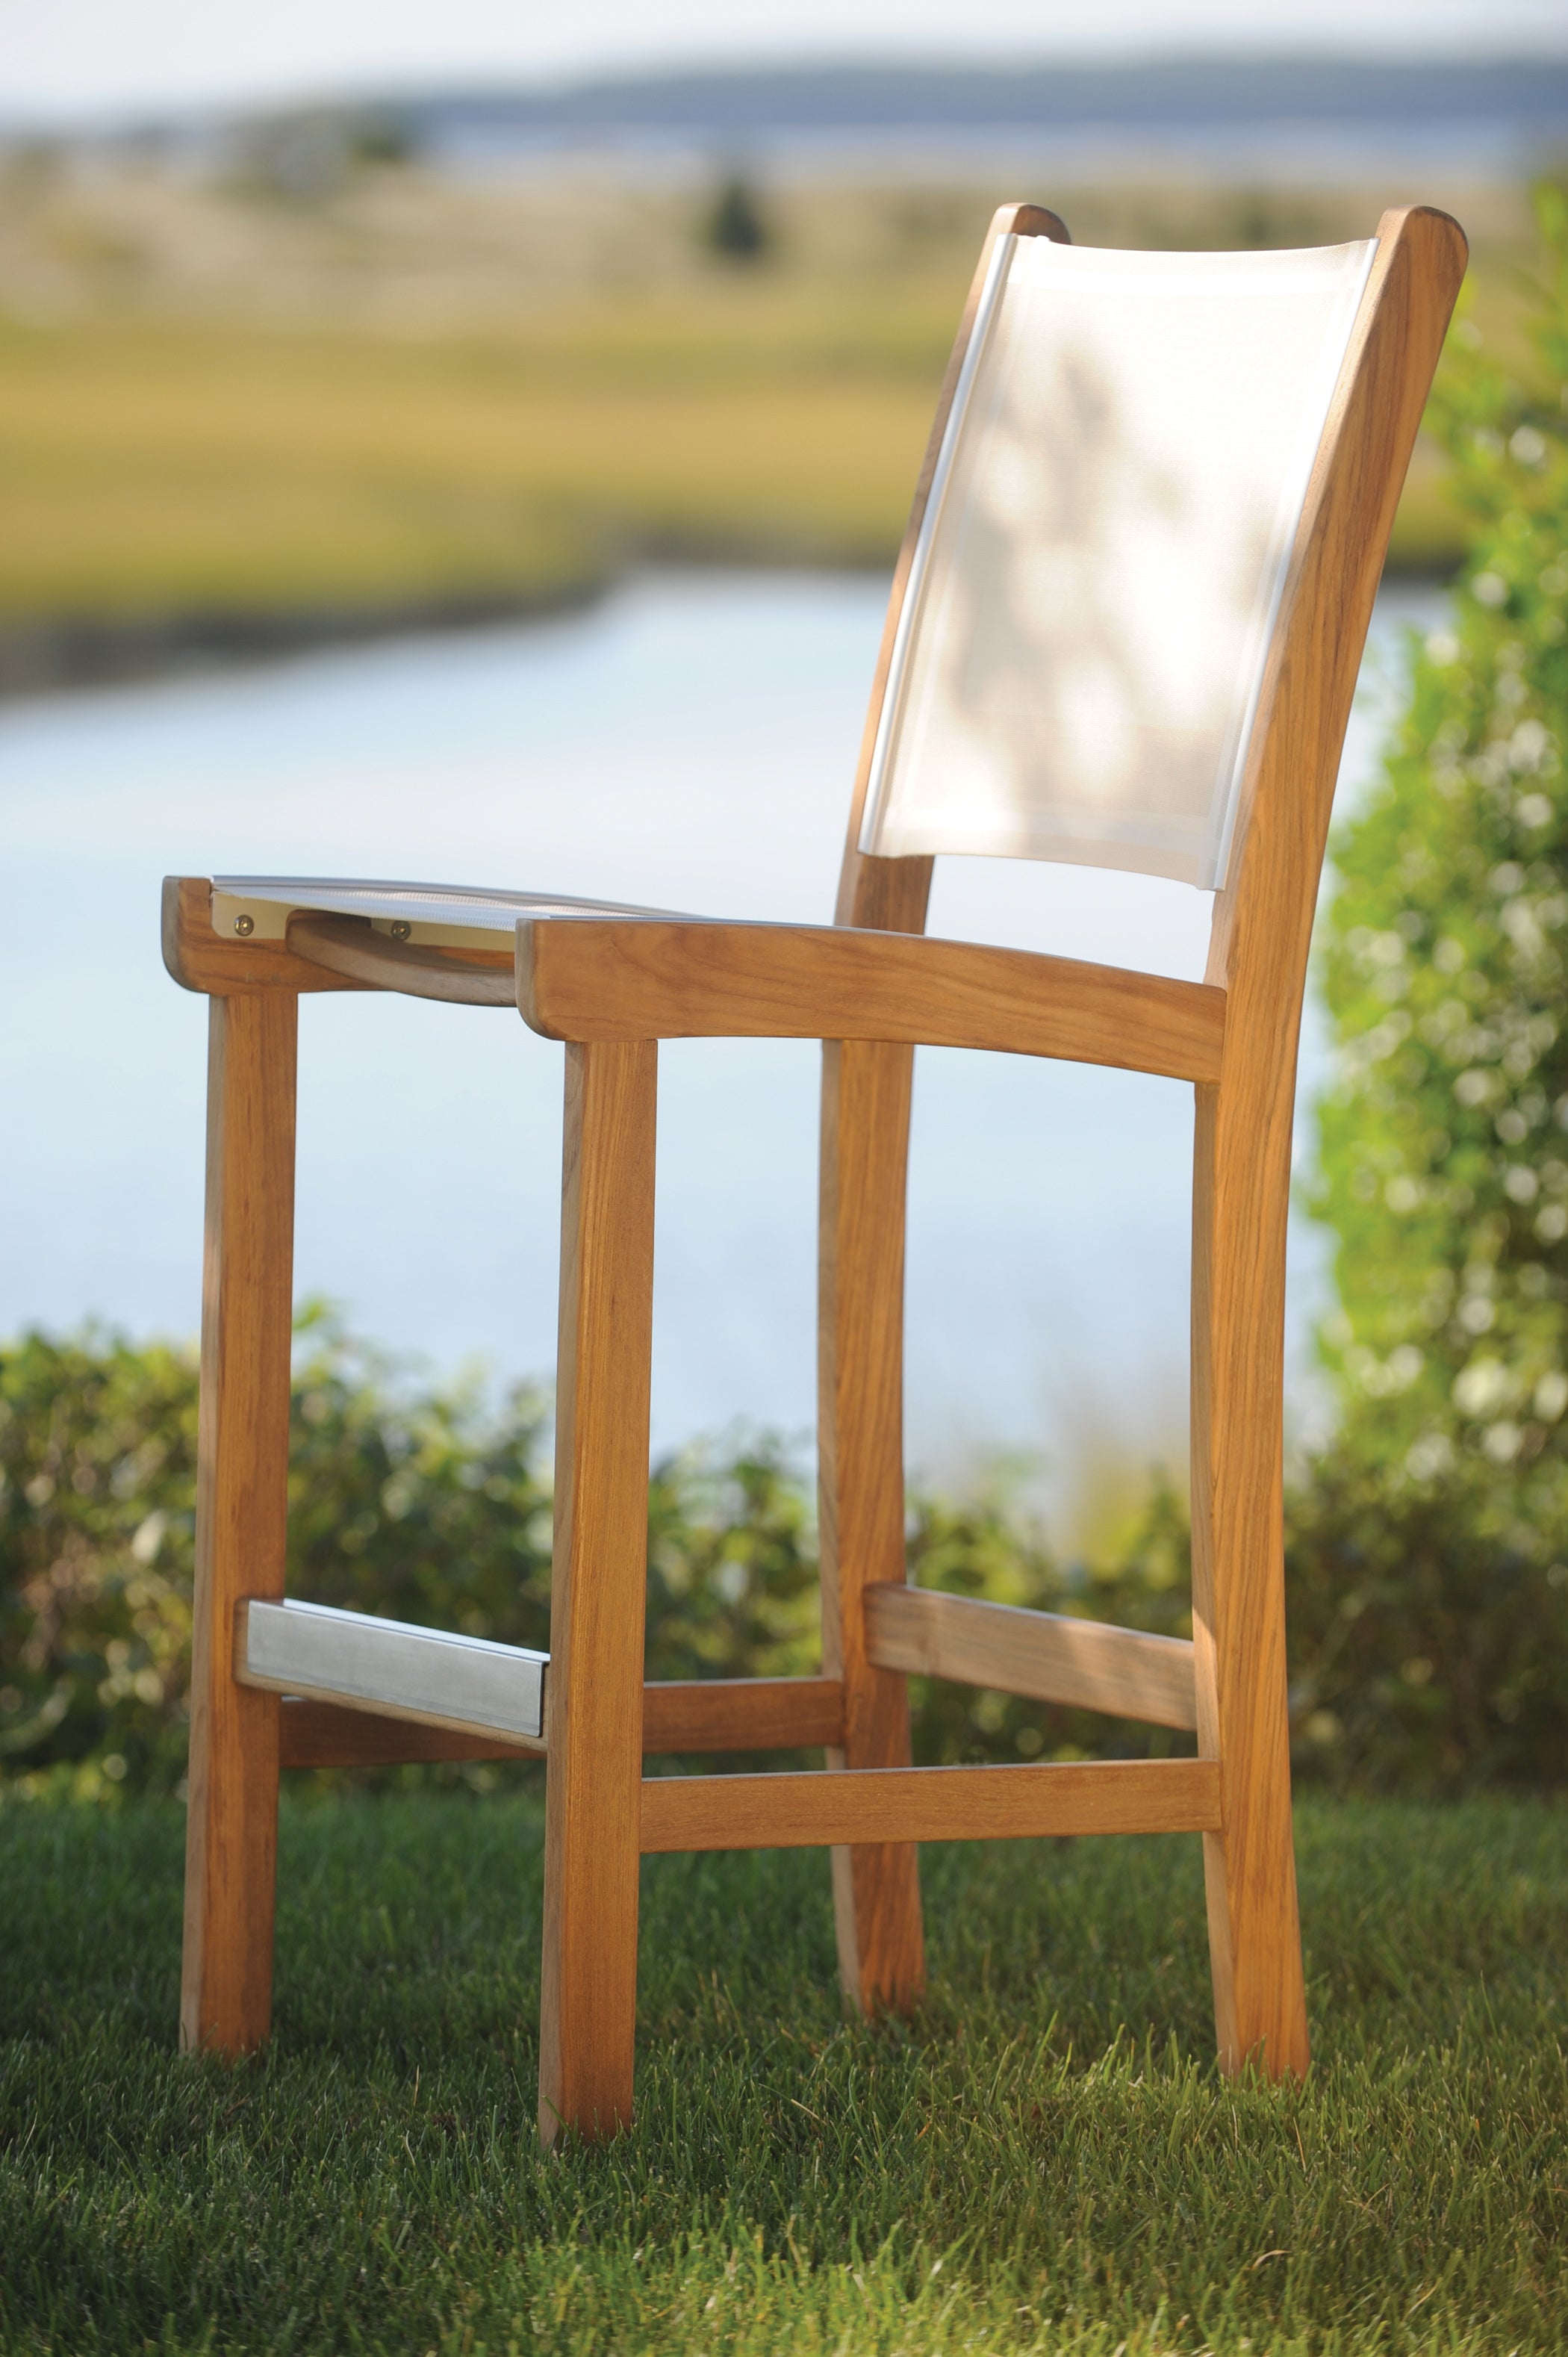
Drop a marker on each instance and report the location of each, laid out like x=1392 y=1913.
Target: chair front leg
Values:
x=241 y=1505
x=598 y=1593
x=860 y=1440
x=1240 y=1193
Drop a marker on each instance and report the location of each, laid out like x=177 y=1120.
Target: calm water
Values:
x=688 y=744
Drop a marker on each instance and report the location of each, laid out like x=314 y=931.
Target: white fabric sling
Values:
x=1109 y=528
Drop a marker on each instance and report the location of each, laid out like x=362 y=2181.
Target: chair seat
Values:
x=438 y=916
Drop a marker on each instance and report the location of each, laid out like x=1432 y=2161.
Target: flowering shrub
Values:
x=1444 y=1153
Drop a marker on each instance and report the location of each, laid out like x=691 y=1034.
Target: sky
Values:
x=65 y=60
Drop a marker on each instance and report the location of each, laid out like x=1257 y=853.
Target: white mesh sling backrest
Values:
x=1082 y=640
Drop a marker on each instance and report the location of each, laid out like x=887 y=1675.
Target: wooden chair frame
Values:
x=871 y=987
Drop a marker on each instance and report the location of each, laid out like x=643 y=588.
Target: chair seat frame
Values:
x=870 y=987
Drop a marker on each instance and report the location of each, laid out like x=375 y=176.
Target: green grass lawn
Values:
x=1046 y=2160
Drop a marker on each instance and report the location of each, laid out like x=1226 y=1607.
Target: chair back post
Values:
x=1259 y=943
x=860 y=1415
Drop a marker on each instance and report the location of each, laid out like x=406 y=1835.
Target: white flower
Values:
x=1429 y=1456
x=149 y=1536
x=1482 y=1386
x=1528 y=743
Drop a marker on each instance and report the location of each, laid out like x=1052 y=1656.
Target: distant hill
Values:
x=1522 y=99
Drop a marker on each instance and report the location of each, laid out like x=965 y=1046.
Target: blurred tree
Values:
x=734 y=226
x=383 y=134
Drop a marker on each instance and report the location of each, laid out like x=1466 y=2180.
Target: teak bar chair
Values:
x=1124 y=630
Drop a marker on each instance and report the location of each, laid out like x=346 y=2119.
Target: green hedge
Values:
x=431 y=1504
x=1424 y=1652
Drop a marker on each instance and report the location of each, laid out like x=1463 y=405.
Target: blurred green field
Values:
x=170 y=465
x=420 y=399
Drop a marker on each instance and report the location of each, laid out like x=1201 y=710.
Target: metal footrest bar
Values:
x=465 y=1684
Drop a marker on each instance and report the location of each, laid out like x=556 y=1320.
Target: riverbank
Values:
x=234 y=429
x=104 y=649
x=198 y=488
x=200 y=496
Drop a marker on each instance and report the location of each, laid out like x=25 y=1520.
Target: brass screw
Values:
x=400 y=929
x=244 y=926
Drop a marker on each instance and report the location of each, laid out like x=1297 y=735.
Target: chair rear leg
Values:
x=242 y=1503
x=1238 y=1323
x=860 y=1434
x=598 y=1593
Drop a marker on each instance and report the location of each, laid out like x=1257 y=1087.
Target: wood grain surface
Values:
x=1263 y=927
x=588 y=2008
x=898 y=1805
x=198 y=959
x=707 y=1715
x=326 y=1735
x=614 y=978
x=241 y=1508
x=741 y=1714
x=1047 y=1656
x=350 y=948
x=860 y=1490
